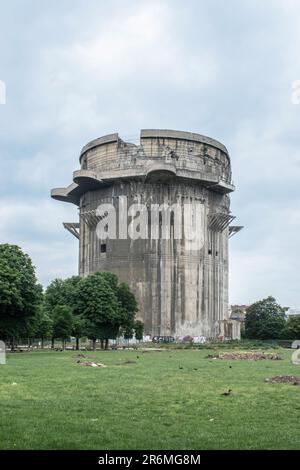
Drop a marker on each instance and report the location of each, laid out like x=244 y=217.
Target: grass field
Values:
x=48 y=401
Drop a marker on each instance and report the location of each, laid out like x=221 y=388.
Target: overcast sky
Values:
x=76 y=70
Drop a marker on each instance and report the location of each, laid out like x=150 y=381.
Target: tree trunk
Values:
x=42 y=343
x=12 y=344
x=102 y=343
x=52 y=343
x=77 y=344
x=94 y=344
x=106 y=343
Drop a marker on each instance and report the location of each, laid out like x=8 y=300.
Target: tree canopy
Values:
x=98 y=303
x=108 y=306
x=139 y=329
x=292 y=327
x=62 y=322
x=20 y=293
x=62 y=292
x=97 y=306
x=265 y=319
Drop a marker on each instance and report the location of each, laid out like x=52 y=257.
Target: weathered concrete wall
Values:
x=180 y=291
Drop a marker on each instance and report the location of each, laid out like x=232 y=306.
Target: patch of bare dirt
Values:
x=92 y=364
x=246 y=356
x=123 y=363
x=284 y=379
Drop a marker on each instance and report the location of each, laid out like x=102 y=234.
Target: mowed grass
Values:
x=48 y=401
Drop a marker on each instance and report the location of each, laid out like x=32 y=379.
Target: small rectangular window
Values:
x=209 y=251
x=103 y=248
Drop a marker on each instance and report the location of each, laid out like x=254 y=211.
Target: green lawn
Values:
x=48 y=401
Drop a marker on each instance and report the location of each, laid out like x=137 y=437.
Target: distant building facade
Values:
x=238 y=312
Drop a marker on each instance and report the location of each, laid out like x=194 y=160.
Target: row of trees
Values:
x=96 y=307
x=266 y=319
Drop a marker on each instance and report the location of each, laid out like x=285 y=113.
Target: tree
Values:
x=65 y=292
x=79 y=328
x=265 y=319
x=20 y=294
x=107 y=306
x=292 y=327
x=98 y=303
x=127 y=332
x=62 y=292
x=139 y=329
x=43 y=326
x=112 y=280
x=129 y=306
x=62 y=323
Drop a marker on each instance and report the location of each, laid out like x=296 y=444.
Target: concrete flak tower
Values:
x=181 y=291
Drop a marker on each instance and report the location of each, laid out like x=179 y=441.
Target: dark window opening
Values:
x=172 y=218
x=217 y=253
x=209 y=251
x=103 y=248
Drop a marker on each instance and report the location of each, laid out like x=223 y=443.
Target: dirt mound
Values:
x=92 y=364
x=246 y=356
x=123 y=363
x=284 y=379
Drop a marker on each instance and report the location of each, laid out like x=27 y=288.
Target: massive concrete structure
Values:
x=180 y=291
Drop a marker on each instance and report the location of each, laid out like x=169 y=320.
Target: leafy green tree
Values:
x=127 y=332
x=71 y=285
x=112 y=279
x=20 y=294
x=265 y=319
x=99 y=304
x=292 y=327
x=80 y=328
x=62 y=292
x=139 y=329
x=107 y=332
x=62 y=323
x=107 y=305
x=43 y=328
x=55 y=295
x=129 y=306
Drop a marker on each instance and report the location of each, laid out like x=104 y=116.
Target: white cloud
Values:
x=221 y=69
x=20 y=216
x=142 y=44
x=36 y=226
x=268 y=264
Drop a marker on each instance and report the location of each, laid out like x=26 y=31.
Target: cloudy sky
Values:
x=75 y=70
